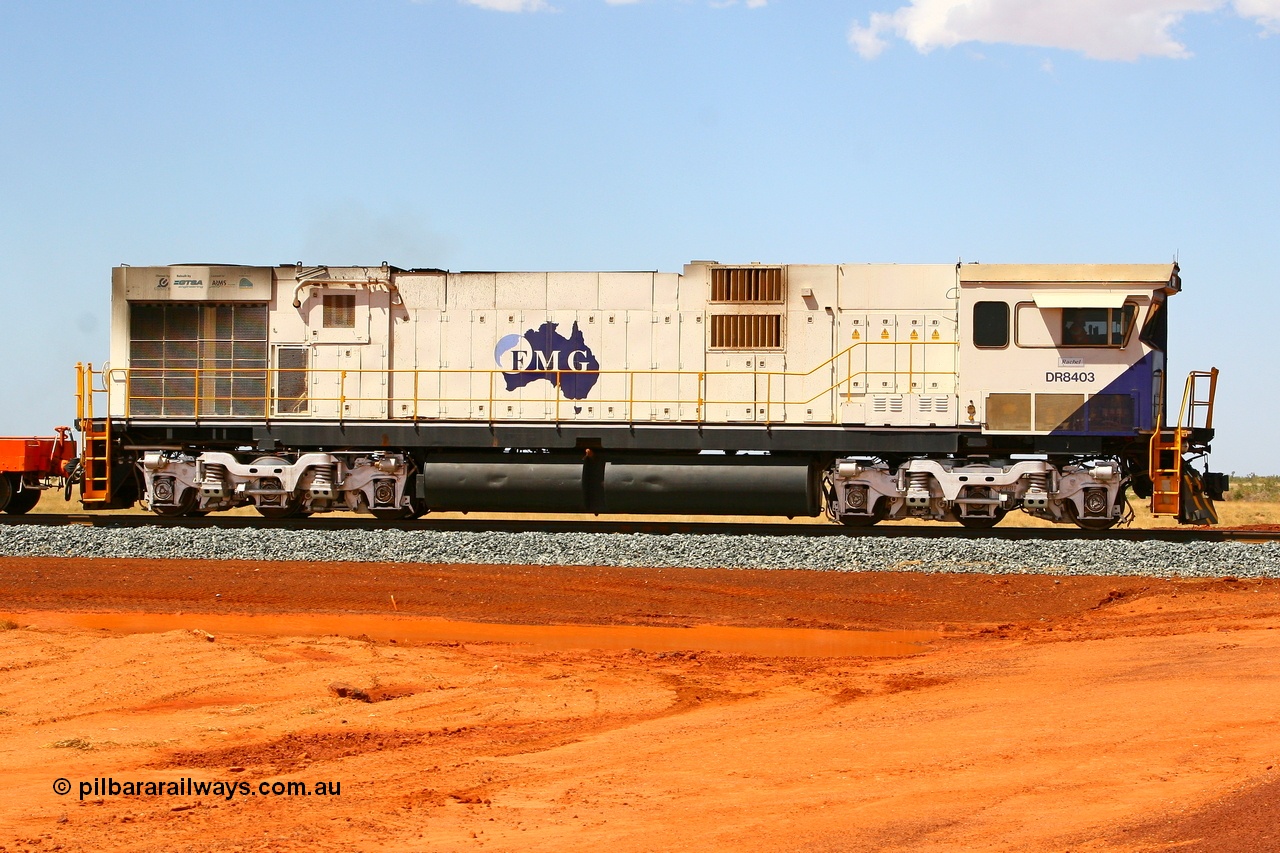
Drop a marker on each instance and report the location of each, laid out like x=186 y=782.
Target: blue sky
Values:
x=583 y=134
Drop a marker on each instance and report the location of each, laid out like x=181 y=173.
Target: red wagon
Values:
x=29 y=465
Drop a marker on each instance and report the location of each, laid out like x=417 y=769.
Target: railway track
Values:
x=656 y=527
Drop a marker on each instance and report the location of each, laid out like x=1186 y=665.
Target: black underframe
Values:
x=427 y=436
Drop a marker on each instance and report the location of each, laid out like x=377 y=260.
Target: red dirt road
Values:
x=1024 y=713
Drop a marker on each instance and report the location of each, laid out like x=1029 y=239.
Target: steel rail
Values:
x=657 y=527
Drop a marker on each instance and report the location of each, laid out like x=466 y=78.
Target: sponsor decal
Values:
x=163 y=281
x=243 y=283
x=543 y=354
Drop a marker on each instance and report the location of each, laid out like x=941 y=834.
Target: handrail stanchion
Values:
x=768 y=398
x=79 y=393
x=1213 y=390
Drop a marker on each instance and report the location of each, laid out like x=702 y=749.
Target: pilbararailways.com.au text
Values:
x=103 y=787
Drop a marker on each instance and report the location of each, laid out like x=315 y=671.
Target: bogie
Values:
x=977 y=493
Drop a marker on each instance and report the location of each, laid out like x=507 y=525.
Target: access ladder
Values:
x=95 y=457
x=1168 y=445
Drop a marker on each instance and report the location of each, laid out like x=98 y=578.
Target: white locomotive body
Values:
x=951 y=392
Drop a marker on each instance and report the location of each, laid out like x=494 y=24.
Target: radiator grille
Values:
x=198 y=360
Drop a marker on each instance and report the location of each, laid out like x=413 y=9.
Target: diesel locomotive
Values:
x=953 y=392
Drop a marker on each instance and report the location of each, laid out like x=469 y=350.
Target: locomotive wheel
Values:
x=1090 y=523
x=290 y=509
x=1095 y=523
x=981 y=522
x=6 y=492
x=21 y=502
x=876 y=517
x=417 y=508
x=178 y=510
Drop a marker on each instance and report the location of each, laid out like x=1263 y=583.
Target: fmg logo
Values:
x=545 y=354
x=515 y=353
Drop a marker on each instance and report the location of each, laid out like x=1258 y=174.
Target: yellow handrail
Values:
x=1190 y=403
x=200 y=403
x=80 y=393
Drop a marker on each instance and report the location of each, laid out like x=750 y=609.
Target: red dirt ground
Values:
x=626 y=709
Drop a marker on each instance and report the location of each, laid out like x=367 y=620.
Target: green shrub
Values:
x=1254 y=488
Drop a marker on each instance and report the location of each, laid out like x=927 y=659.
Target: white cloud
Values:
x=866 y=40
x=1100 y=29
x=510 y=5
x=1265 y=12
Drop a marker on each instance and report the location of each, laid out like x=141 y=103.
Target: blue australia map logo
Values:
x=543 y=354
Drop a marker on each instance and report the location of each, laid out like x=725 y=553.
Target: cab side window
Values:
x=1097 y=327
x=991 y=324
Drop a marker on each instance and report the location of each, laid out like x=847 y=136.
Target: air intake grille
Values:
x=291 y=380
x=746 y=284
x=746 y=331
x=931 y=405
x=886 y=405
x=339 y=311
